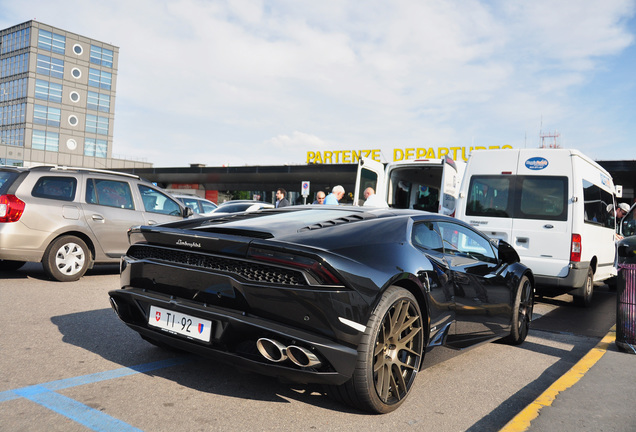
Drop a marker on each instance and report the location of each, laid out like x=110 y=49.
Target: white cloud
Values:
x=249 y=81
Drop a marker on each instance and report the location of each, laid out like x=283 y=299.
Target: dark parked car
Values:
x=343 y=296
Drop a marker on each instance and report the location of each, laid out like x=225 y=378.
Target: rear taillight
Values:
x=575 y=251
x=11 y=208
x=316 y=269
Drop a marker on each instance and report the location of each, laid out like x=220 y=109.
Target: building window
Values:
x=51 y=42
x=11 y=90
x=43 y=140
x=101 y=56
x=15 y=41
x=12 y=137
x=48 y=91
x=97 y=124
x=98 y=102
x=48 y=116
x=50 y=66
x=100 y=79
x=76 y=73
x=77 y=49
x=95 y=147
x=12 y=114
x=75 y=96
x=14 y=65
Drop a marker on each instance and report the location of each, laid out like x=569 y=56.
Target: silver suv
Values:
x=72 y=218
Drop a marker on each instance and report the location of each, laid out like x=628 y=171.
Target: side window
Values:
x=157 y=202
x=424 y=235
x=207 y=207
x=109 y=193
x=629 y=224
x=490 y=196
x=596 y=202
x=58 y=188
x=192 y=203
x=462 y=241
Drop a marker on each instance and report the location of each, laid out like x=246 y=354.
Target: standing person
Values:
x=281 y=201
x=372 y=200
x=320 y=198
x=621 y=211
x=336 y=195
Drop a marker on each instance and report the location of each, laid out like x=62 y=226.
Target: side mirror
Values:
x=507 y=254
x=187 y=212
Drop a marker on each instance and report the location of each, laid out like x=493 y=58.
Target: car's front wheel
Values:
x=389 y=355
x=66 y=259
x=584 y=296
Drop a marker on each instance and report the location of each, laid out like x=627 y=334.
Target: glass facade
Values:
x=51 y=41
x=100 y=79
x=12 y=114
x=96 y=147
x=15 y=89
x=45 y=115
x=98 y=102
x=15 y=40
x=96 y=124
x=12 y=136
x=50 y=66
x=48 y=91
x=45 y=140
x=101 y=56
x=14 y=65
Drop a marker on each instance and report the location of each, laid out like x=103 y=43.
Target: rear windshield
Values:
x=521 y=197
x=6 y=179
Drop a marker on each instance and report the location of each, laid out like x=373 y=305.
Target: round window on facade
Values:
x=71 y=144
x=72 y=120
x=76 y=73
x=77 y=49
x=75 y=96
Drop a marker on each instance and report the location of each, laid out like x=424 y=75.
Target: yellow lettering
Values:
x=355 y=156
x=398 y=155
x=366 y=153
x=346 y=156
x=441 y=152
x=376 y=155
x=464 y=154
x=493 y=147
x=409 y=153
x=431 y=153
x=311 y=156
x=454 y=150
x=507 y=146
x=328 y=155
x=421 y=153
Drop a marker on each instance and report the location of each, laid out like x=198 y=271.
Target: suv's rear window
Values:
x=58 y=188
x=522 y=197
x=6 y=179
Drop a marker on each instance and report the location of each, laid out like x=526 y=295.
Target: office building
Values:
x=57 y=98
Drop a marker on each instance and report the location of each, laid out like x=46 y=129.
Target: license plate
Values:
x=182 y=324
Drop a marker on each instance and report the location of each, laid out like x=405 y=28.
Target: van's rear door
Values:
x=370 y=174
x=449 y=190
x=542 y=228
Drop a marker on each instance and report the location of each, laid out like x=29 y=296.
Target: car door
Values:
x=482 y=299
x=441 y=295
x=110 y=211
x=158 y=207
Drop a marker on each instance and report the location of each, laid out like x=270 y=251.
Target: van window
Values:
x=542 y=198
x=490 y=196
x=521 y=197
x=461 y=241
x=596 y=201
x=59 y=188
x=415 y=188
x=368 y=178
x=109 y=193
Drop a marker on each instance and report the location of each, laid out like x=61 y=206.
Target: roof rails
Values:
x=67 y=168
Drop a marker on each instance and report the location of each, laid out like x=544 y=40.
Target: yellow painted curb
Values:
x=521 y=422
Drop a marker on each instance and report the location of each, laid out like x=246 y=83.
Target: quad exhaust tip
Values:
x=277 y=352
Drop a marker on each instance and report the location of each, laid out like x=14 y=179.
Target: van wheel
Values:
x=585 y=298
x=389 y=355
x=9 y=266
x=66 y=259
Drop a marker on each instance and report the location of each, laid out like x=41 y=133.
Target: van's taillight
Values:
x=11 y=208
x=575 y=252
x=316 y=269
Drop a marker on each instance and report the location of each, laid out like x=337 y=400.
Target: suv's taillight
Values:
x=11 y=208
x=575 y=252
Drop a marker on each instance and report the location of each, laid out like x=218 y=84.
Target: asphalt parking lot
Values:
x=68 y=364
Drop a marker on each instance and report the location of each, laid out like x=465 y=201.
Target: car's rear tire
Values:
x=584 y=297
x=66 y=259
x=521 y=313
x=389 y=355
x=9 y=265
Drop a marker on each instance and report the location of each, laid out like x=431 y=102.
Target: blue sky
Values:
x=264 y=82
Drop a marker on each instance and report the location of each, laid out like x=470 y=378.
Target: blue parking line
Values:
x=45 y=395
